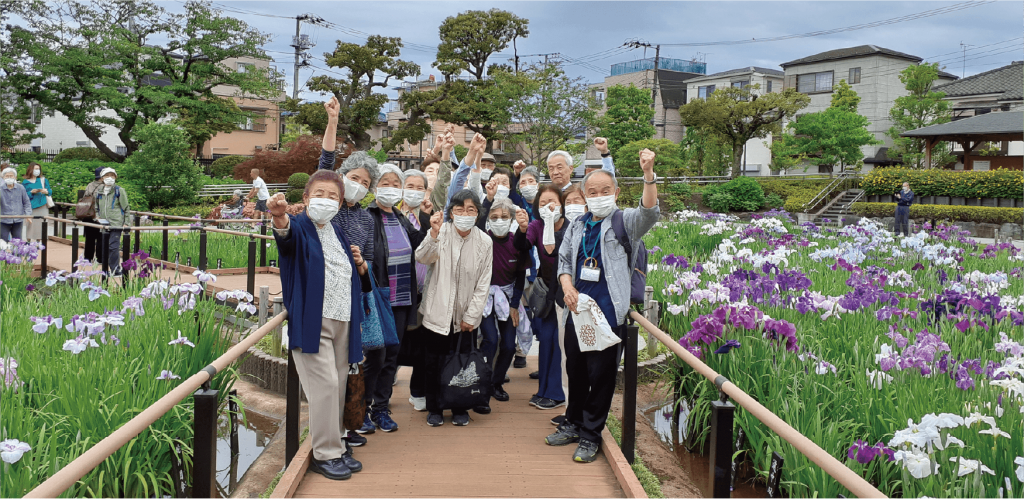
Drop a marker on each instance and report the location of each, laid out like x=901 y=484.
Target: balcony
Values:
x=253 y=127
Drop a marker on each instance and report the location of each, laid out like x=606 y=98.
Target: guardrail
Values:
x=722 y=414
x=838 y=183
x=218 y=190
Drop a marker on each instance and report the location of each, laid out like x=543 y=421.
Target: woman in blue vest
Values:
x=323 y=278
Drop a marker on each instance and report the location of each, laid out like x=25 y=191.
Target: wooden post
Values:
x=264 y=303
x=928 y=144
x=279 y=330
x=652 y=343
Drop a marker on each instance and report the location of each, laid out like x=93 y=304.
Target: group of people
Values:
x=27 y=198
x=468 y=256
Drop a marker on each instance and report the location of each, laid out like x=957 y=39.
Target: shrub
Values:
x=798 y=198
x=666 y=161
x=162 y=161
x=977 y=214
x=784 y=188
x=720 y=202
x=298 y=180
x=225 y=167
x=746 y=194
x=774 y=201
x=205 y=180
x=275 y=167
x=26 y=157
x=293 y=195
x=66 y=178
x=968 y=184
x=80 y=154
x=188 y=211
x=677 y=195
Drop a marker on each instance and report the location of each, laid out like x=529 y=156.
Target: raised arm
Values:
x=650 y=195
x=607 y=164
x=331 y=133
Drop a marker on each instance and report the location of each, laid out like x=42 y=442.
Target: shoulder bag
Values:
x=465 y=376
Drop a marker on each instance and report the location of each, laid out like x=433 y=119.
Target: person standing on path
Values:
x=92 y=234
x=111 y=212
x=904 y=199
x=39 y=190
x=259 y=189
x=13 y=201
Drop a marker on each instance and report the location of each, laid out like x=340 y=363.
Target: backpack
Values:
x=638 y=279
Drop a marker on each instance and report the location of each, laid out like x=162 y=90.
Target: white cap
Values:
x=106 y=171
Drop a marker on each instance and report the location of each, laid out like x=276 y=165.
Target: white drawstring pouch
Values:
x=592 y=328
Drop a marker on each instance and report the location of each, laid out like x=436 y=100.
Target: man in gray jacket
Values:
x=593 y=262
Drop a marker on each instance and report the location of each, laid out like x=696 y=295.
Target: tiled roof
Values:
x=1007 y=81
x=849 y=52
x=750 y=69
x=986 y=124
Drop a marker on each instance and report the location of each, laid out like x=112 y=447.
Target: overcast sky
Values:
x=594 y=31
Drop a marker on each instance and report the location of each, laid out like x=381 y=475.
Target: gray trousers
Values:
x=112 y=249
x=324 y=378
x=903 y=220
x=11 y=231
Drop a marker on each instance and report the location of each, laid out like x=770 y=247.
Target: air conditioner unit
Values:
x=259 y=148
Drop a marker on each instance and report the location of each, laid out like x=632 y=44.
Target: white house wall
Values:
x=61 y=133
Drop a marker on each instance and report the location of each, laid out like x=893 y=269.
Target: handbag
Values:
x=355 y=399
x=538 y=299
x=592 y=329
x=465 y=377
x=379 y=329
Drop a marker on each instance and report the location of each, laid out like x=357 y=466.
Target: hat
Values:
x=105 y=171
x=488 y=157
x=97 y=172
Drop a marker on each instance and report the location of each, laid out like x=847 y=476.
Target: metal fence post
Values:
x=202 y=249
x=64 y=224
x=74 y=245
x=163 y=250
x=126 y=246
x=233 y=421
x=629 y=394
x=263 y=245
x=722 y=414
x=251 y=271
x=138 y=235
x=204 y=442
x=46 y=245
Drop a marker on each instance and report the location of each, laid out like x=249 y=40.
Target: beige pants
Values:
x=324 y=376
x=561 y=345
x=34 y=232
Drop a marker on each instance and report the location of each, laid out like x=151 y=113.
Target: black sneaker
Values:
x=482 y=409
x=534 y=399
x=460 y=419
x=545 y=403
x=500 y=394
x=519 y=362
x=564 y=435
x=535 y=375
x=353 y=465
x=507 y=379
x=434 y=419
x=333 y=469
x=586 y=452
x=354 y=439
x=558 y=420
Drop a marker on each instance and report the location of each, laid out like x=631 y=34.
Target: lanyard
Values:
x=589 y=255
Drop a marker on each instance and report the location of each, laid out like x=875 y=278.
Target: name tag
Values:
x=104 y=221
x=590 y=274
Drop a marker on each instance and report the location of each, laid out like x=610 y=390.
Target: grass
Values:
x=232 y=250
x=649 y=481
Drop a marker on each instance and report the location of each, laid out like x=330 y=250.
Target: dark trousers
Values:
x=12 y=231
x=591 y=384
x=92 y=240
x=382 y=365
x=500 y=339
x=111 y=241
x=435 y=348
x=903 y=220
x=550 y=358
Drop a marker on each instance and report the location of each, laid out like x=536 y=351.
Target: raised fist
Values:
x=523 y=219
x=333 y=107
x=647 y=160
x=435 y=224
x=519 y=166
x=479 y=143
x=491 y=188
x=277 y=205
x=426 y=206
x=449 y=129
x=601 y=144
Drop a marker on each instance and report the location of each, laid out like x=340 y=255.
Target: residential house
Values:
x=872 y=71
x=994 y=91
x=756 y=153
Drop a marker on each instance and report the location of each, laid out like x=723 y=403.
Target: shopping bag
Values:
x=465 y=377
x=379 y=323
x=592 y=328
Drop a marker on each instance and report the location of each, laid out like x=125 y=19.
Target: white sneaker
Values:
x=418 y=403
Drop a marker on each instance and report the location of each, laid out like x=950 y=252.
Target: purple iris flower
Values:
x=729 y=345
x=964 y=381
x=862 y=452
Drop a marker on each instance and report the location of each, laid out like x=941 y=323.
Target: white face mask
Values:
x=499 y=226
x=601 y=206
x=413 y=198
x=108 y=181
x=529 y=192
x=9 y=181
x=550 y=212
x=464 y=222
x=574 y=211
x=36 y=172
x=486 y=174
x=388 y=196
x=501 y=193
x=354 y=192
x=322 y=210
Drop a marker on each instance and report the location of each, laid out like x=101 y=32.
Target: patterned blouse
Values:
x=400 y=270
x=337 y=273
x=358 y=225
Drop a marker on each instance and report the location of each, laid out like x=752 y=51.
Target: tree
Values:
x=741 y=114
x=201 y=123
x=482 y=102
x=628 y=117
x=554 y=110
x=667 y=162
x=832 y=137
x=369 y=67
x=705 y=153
x=132 y=58
x=921 y=108
x=17 y=126
x=162 y=161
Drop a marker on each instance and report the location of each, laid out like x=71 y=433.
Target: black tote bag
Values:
x=465 y=376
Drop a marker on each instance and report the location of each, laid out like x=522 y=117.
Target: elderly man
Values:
x=599 y=267
x=560 y=164
x=13 y=201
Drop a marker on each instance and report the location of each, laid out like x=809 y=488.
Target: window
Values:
x=982 y=166
x=814 y=82
x=385 y=133
x=245 y=66
x=246 y=124
x=854 y=76
x=768 y=87
x=82 y=143
x=37 y=114
x=704 y=92
x=740 y=84
x=469 y=135
x=122 y=150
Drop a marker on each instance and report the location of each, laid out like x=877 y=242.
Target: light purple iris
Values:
x=56 y=276
x=9 y=371
x=94 y=291
x=204 y=277
x=181 y=340
x=43 y=324
x=167 y=375
x=133 y=305
x=79 y=344
x=11 y=450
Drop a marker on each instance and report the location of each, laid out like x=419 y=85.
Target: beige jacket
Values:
x=460 y=279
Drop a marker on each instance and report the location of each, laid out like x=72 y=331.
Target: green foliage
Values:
x=23 y=157
x=469 y=39
x=832 y=137
x=978 y=214
x=784 y=188
x=224 y=167
x=293 y=129
x=745 y=194
x=921 y=108
x=298 y=180
x=844 y=97
x=80 y=154
x=379 y=154
x=293 y=195
x=214 y=115
x=676 y=195
x=17 y=127
x=719 y=202
x=204 y=180
x=967 y=184
x=460 y=152
x=648 y=480
x=705 y=153
x=774 y=201
x=627 y=117
x=67 y=177
x=203 y=210
x=741 y=114
x=798 y=198
x=162 y=160
x=666 y=162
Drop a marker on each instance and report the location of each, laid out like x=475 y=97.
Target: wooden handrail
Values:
x=90 y=459
x=837 y=470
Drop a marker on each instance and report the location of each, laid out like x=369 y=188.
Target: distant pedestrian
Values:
x=13 y=201
x=39 y=190
x=259 y=189
x=92 y=234
x=904 y=199
x=111 y=212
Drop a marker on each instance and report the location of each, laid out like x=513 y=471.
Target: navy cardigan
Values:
x=302 y=287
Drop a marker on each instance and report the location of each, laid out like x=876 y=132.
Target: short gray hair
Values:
x=504 y=204
x=357 y=160
x=583 y=184
x=416 y=173
x=531 y=171
x=238 y=192
x=9 y=169
x=386 y=168
x=568 y=157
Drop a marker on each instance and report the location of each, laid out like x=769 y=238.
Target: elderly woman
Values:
x=417 y=208
x=529 y=183
x=38 y=189
x=13 y=201
x=395 y=239
x=323 y=277
x=904 y=199
x=112 y=212
x=456 y=291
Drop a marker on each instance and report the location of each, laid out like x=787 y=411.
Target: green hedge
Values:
x=220 y=181
x=937 y=212
x=746 y=195
x=785 y=188
x=298 y=180
x=80 y=154
x=967 y=184
x=65 y=178
x=798 y=198
x=225 y=167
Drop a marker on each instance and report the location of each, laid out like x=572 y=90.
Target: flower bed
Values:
x=966 y=184
x=80 y=358
x=233 y=251
x=975 y=214
x=902 y=358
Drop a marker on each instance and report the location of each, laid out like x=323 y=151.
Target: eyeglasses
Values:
x=462 y=210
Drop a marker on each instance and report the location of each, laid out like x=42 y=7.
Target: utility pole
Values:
x=654 y=91
x=301 y=44
x=963 y=68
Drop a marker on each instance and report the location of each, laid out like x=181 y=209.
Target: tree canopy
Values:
x=923 y=107
x=627 y=117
